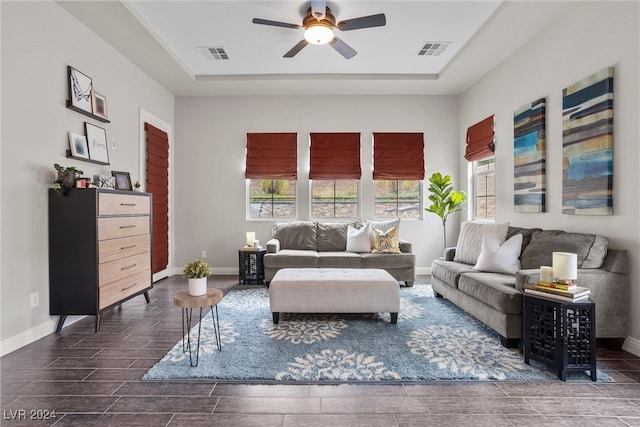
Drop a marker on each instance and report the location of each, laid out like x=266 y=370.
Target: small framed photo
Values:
x=123 y=180
x=97 y=141
x=104 y=181
x=99 y=104
x=80 y=86
x=78 y=145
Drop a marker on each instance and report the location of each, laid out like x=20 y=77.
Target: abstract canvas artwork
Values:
x=529 y=153
x=587 y=145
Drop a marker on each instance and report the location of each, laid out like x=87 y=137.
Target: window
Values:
x=334 y=198
x=398 y=171
x=272 y=198
x=484 y=188
x=272 y=172
x=394 y=198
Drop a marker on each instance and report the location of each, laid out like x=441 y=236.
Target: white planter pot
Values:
x=197 y=287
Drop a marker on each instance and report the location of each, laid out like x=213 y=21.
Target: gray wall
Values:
x=593 y=36
x=209 y=168
x=39 y=40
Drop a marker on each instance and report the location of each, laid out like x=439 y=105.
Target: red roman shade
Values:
x=158 y=186
x=272 y=156
x=398 y=156
x=480 y=140
x=335 y=156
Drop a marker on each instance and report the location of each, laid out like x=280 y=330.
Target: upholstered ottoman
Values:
x=334 y=290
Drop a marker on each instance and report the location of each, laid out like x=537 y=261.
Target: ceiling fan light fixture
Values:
x=318 y=34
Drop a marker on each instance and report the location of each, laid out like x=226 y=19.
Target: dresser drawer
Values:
x=113 y=271
x=123 y=204
x=113 y=249
x=114 y=228
x=121 y=289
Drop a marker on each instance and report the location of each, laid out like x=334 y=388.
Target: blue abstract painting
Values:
x=529 y=148
x=587 y=145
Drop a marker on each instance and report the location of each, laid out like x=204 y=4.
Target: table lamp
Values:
x=251 y=236
x=565 y=267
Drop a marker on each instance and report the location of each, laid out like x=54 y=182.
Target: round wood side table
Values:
x=187 y=303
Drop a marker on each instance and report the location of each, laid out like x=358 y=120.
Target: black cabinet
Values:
x=251 y=265
x=560 y=334
x=99 y=250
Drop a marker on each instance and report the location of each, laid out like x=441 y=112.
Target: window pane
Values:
x=485 y=188
x=272 y=198
x=397 y=198
x=334 y=198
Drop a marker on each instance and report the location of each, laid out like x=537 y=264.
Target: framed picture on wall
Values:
x=97 y=140
x=99 y=104
x=123 y=180
x=78 y=145
x=80 y=86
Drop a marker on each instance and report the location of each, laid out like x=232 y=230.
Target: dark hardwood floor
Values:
x=92 y=379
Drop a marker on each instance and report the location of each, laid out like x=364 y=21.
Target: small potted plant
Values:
x=197 y=273
x=66 y=176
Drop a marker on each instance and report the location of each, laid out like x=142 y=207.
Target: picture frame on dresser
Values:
x=97 y=141
x=123 y=180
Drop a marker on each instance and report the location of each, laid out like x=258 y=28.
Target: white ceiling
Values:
x=164 y=37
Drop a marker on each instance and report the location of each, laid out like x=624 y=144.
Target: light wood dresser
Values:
x=99 y=250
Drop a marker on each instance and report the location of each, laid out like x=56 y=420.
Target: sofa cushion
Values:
x=383 y=225
x=526 y=234
x=449 y=271
x=298 y=235
x=291 y=258
x=339 y=260
x=470 y=239
x=500 y=258
x=358 y=240
x=388 y=260
x=591 y=249
x=494 y=289
x=332 y=236
x=385 y=242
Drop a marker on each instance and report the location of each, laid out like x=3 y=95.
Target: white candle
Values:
x=251 y=236
x=546 y=274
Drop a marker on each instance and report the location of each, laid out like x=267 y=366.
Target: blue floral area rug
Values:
x=433 y=341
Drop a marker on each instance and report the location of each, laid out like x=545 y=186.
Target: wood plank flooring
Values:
x=93 y=379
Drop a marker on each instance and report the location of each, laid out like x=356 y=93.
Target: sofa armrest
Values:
x=449 y=253
x=405 y=246
x=527 y=277
x=273 y=246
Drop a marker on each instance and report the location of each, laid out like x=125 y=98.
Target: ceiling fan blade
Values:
x=318 y=8
x=296 y=49
x=378 y=20
x=274 y=23
x=343 y=49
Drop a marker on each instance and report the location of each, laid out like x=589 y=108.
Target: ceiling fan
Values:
x=319 y=24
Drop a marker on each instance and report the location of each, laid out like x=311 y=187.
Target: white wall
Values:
x=594 y=35
x=39 y=40
x=209 y=168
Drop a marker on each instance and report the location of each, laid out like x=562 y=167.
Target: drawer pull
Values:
x=128 y=267
x=127 y=226
x=127 y=247
x=128 y=287
x=127 y=204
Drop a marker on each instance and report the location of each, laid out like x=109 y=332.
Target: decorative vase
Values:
x=197 y=287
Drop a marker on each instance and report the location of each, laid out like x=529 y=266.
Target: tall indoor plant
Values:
x=197 y=273
x=444 y=199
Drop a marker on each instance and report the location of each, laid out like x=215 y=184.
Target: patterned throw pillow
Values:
x=470 y=239
x=385 y=242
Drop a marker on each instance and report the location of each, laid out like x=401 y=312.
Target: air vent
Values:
x=433 y=48
x=214 y=53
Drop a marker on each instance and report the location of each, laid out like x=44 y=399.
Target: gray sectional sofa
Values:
x=322 y=244
x=496 y=298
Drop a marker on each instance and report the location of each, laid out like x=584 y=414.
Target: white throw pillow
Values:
x=500 y=258
x=382 y=225
x=470 y=239
x=358 y=240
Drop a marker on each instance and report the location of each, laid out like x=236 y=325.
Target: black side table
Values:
x=251 y=266
x=560 y=334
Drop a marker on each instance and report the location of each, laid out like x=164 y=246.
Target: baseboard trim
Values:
x=32 y=335
x=632 y=345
